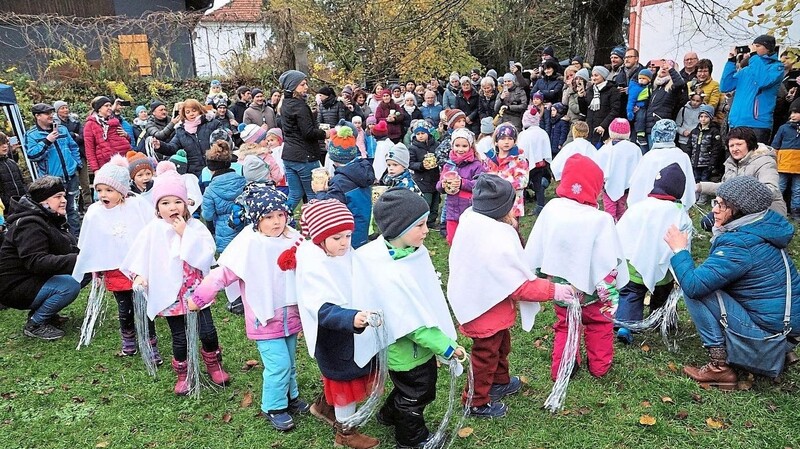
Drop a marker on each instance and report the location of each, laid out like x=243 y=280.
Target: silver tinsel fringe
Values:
x=370 y=406
x=439 y=439
x=95 y=311
x=142 y=337
x=193 y=354
x=555 y=401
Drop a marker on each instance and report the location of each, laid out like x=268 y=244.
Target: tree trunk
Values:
x=604 y=28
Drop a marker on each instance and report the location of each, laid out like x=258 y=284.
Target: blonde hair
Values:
x=191 y=103
x=247 y=149
x=580 y=129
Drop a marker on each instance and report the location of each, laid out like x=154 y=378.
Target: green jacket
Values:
x=418 y=347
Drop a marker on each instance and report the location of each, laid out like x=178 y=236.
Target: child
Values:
x=11 y=182
x=268 y=145
x=508 y=161
x=270 y=309
x=638 y=98
x=559 y=127
x=141 y=172
x=170 y=258
x=487 y=237
x=324 y=297
x=360 y=136
x=398 y=278
x=352 y=182
x=484 y=143
x=458 y=177
x=370 y=141
x=109 y=230
x=382 y=144
x=705 y=147
x=453 y=119
x=648 y=255
x=618 y=158
x=535 y=116
x=687 y=120
x=787 y=142
x=579 y=145
x=215 y=92
x=574 y=243
x=422 y=162
x=535 y=143
x=223 y=189
x=140 y=122
x=397 y=173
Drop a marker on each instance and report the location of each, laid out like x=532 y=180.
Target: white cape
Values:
x=577 y=243
x=535 y=145
x=502 y=269
x=108 y=234
x=642 y=229
x=158 y=256
x=577 y=146
x=254 y=258
x=379 y=162
x=618 y=163
x=645 y=174
x=408 y=291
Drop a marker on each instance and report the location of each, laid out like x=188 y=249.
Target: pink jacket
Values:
x=285 y=322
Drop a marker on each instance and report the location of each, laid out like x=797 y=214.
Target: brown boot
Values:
x=350 y=437
x=716 y=373
x=323 y=411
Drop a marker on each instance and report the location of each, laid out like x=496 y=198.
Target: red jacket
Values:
x=382 y=113
x=504 y=314
x=98 y=149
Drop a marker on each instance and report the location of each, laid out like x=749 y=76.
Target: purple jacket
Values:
x=458 y=203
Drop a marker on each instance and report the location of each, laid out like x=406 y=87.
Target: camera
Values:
x=742 y=49
x=123 y=102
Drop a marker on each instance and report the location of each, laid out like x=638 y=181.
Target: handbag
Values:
x=759 y=355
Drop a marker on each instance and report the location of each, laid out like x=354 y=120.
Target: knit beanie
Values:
x=381 y=129
x=583 y=74
x=322 y=219
x=707 y=109
x=619 y=51
x=421 y=126
x=327 y=91
x=508 y=76
x=492 y=73
x=342 y=145
x=646 y=73
x=261 y=200
x=371 y=120
x=115 y=175
x=767 y=41
x=664 y=131
x=538 y=95
x=487 y=126
x=39 y=194
x=218 y=157
x=254 y=169
x=581 y=180
x=167 y=183
x=275 y=132
x=215 y=83
x=505 y=129
x=252 y=133
x=492 y=196
x=619 y=129
x=578 y=59
x=59 y=104
x=670 y=183
x=746 y=194
x=138 y=162
x=179 y=161
x=397 y=211
x=548 y=50
x=600 y=70
x=452 y=116
x=98 y=102
x=139 y=109
x=454 y=76
x=155 y=104
x=255 y=91
x=398 y=153
x=463 y=133
x=343 y=122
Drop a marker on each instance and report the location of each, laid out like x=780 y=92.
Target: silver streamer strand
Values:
x=95 y=311
x=439 y=439
x=370 y=406
x=193 y=354
x=141 y=322
x=555 y=401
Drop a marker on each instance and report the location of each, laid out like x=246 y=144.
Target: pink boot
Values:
x=213 y=361
x=181 y=386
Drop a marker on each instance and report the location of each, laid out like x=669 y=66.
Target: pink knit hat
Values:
x=168 y=183
x=276 y=132
x=115 y=175
x=619 y=129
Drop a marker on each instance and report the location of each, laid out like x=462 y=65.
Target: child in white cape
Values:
x=580 y=131
x=618 y=158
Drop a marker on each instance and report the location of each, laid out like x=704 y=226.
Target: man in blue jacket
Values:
x=756 y=87
x=55 y=153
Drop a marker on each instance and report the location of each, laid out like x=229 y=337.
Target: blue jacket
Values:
x=61 y=158
x=352 y=185
x=756 y=89
x=217 y=204
x=559 y=130
x=128 y=129
x=431 y=113
x=746 y=263
x=788 y=137
x=634 y=89
x=335 y=348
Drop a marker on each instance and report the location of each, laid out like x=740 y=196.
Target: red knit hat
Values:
x=381 y=129
x=581 y=180
x=322 y=219
x=619 y=129
x=386 y=92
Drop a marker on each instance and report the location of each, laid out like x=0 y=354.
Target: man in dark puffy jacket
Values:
x=243 y=98
x=159 y=124
x=329 y=109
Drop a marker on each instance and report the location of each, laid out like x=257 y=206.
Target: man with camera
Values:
x=756 y=86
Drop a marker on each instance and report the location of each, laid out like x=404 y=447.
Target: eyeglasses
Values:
x=718 y=204
x=630 y=57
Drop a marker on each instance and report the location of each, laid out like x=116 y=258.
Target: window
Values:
x=249 y=40
x=135 y=47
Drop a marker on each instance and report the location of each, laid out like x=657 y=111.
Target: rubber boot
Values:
x=323 y=411
x=715 y=373
x=129 y=346
x=181 y=386
x=213 y=361
x=351 y=437
x=156 y=355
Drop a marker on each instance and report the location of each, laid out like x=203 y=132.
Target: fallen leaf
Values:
x=247 y=400
x=667 y=400
x=226 y=320
x=748 y=425
x=8 y=395
x=65 y=387
x=697 y=398
x=744 y=385
x=46 y=390
x=102 y=444
x=646 y=404
x=682 y=414
x=208 y=416
x=714 y=424
x=251 y=363
x=647 y=420
x=772 y=407
x=465 y=432
x=537 y=343
x=672 y=367
x=78 y=399
x=227 y=417
x=524 y=379
x=584 y=411
x=705 y=386
x=432 y=253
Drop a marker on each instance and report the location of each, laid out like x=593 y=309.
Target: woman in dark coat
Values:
x=665 y=96
x=602 y=105
x=467 y=102
x=193 y=135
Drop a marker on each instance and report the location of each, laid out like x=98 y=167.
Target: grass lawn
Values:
x=52 y=396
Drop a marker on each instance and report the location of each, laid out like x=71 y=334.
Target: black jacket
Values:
x=301 y=133
x=237 y=110
x=75 y=129
x=609 y=110
x=416 y=114
x=470 y=109
x=664 y=103
x=11 y=182
x=486 y=106
x=195 y=145
x=37 y=247
x=331 y=111
x=707 y=147
x=425 y=179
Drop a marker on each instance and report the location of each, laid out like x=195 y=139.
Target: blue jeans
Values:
x=58 y=292
x=73 y=217
x=784 y=181
x=280 y=373
x=298 y=176
x=702 y=174
x=631 y=301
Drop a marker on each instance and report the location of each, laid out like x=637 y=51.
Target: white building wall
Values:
x=215 y=42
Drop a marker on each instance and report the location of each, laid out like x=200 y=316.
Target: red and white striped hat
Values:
x=322 y=219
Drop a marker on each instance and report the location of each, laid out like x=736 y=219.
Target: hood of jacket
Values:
x=359 y=172
x=773 y=229
x=228 y=185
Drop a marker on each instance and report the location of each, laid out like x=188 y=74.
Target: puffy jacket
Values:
x=75 y=129
x=162 y=130
x=550 y=87
x=706 y=146
x=218 y=201
x=425 y=179
x=301 y=133
x=352 y=185
x=664 y=98
x=100 y=148
x=449 y=97
x=486 y=105
x=416 y=114
x=517 y=103
x=195 y=144
x=395 y=127
x=60 y=158
x=431 y=113
x=259 y=115
x=634 y=89
x=558 y=133
x=609 y=110
x=687 y=119
x=756 y=89
x=468 y=172
x=11 y=182
x=331 y=111
x=746 y=263
x=787 y=142
x=237 y=109
x=38 y=246
x=470 y=109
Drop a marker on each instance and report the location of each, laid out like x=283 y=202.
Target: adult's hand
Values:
x=676 y=240
x=52 y=136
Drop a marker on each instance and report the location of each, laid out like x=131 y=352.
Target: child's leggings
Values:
x=208 y=333
x=413 y=390
x=615 y=208
x=598 y=336
x=280 y=373
x=489 y=365
x=127 y=325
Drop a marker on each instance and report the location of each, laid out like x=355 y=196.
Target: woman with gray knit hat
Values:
x=748 y=286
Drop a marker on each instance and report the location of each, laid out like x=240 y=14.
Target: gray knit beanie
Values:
x=397 y=211
x=290 y=79
x=399 y=153
x=492 y=196
x=746 y=194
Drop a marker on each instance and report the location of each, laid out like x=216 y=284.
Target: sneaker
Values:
x=624 y=335
x=236 y=306
x=490 y=410
x=298 y=406
x=43 y=331
x=499 y=391
x=280 y=421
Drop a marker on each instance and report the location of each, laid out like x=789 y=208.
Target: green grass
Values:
x=52 y=396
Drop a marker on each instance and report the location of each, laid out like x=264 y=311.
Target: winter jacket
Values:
x=335 y=344
x=550 y=87
x=709 y=89
x=431 y=113
x=37 y=246
x=706 y=146
x=688 y=118
x=238 y=109
x=101 y=146
x=609 y=110
x=449 y=97
x=470 y=108
x=663 y=99
x=162 y=130
x=416 y=114
x=425 y=179
x=301 y=133
x=756 y=89
x=75 y=129
x=195 y=144
x=746 y=263
x=352 y=185
x=517 y=103
x=504 y=314
x=514 y=168
x=486 y=106
x=787 y=142
x=331 y=111
x=258 y=115
x=61 y=158
x=760 y=164
x=11 y=182
x=419 y=346
x=218 y=201
x=638 y=96
x=458 y=203
x=558 y=133
x=395 y=127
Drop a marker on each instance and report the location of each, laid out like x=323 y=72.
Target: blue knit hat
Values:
x=261 y=200
x=140 y=109
x=707 y=109
x=421 y=126
x=646 y=73
x=664 y=131
x=619 y=51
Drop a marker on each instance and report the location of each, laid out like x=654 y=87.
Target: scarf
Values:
x=191 y=125
x=103 y=123
x=459 y=159
x=735 y=224
x=399 y=253
x=409 y=109
x=595 y=104
x=662 y=80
